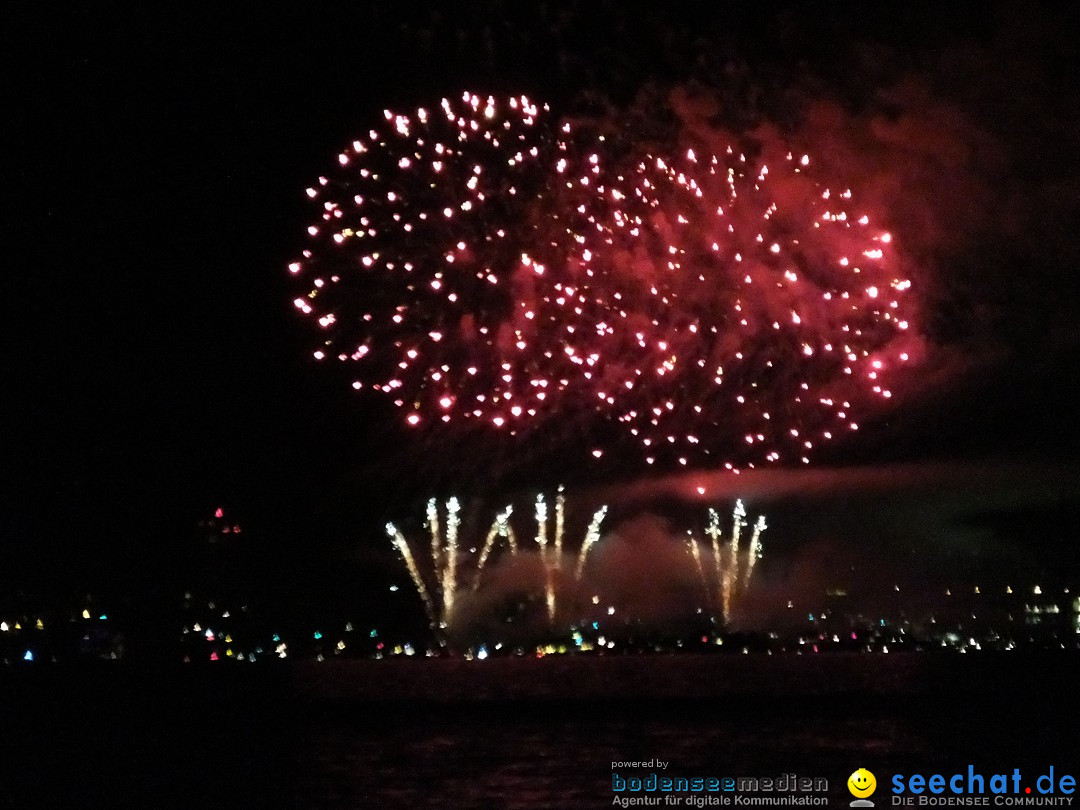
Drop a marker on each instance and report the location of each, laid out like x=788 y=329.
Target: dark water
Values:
x=517 y=733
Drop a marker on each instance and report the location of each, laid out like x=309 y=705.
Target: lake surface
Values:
x=517 y=733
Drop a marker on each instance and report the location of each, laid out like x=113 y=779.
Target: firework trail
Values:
x=449 y=578
x=433 y=528
x=754 y=552
x=592 y=537
x=560 y=525
x=444 y=554
x=542 y=541
x=714 y=532
x=439 y=597
x=695 y=552
x=482 y=263
x=727 y=583
x=500 y=528
x=402 y=547
x=731 y=567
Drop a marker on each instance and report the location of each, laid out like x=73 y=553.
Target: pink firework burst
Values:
x=481 y=263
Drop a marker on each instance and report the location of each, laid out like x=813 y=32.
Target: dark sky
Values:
x=153 y=368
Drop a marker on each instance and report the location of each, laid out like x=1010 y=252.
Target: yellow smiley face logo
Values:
x=861 y=783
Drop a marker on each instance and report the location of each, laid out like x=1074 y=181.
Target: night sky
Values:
x=153 y=194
